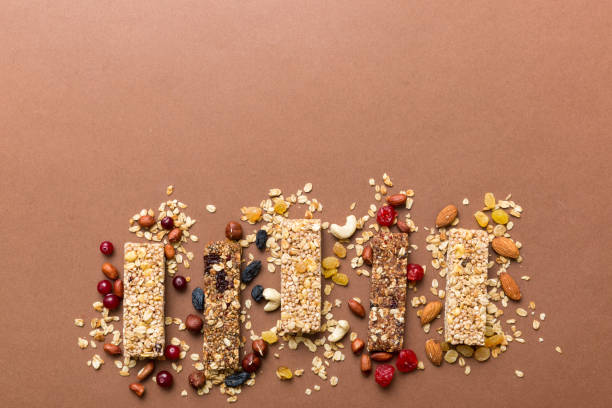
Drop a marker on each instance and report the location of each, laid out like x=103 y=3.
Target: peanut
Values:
x=110 y=271
x=137 y=388
x=146 y=370
x=367 y=255
x=357 y=346
x=366 y=364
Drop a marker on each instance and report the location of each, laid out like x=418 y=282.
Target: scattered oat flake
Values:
x=211 y=208
x=466 y=201
x=184 y=393
x=169 y=189
x=308 y=391
x=333 y=381
x=308 y=187
x=372 y=182
x=519 y=373
x=558 y=350
x=468 y=370
x=78 y=322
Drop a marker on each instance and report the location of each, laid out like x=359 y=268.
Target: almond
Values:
x=356 y=307
x=505 y=247
x=169 y=251
x=137 y=388
x=110 y=271
x=381 y=356
x=367 y=255
x=112 y=349
x=146 y=221
x=509 y=286
x=433 y=351
x=146 y=370
x=175 y=235
x=402 y=226
x=430 y=311
x=446 y=216
x=366 y=364
x=357 y=345
x=396 y=199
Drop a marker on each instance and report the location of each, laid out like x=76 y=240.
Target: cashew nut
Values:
x=346 y=230
x=342 y=327
x=273 y=298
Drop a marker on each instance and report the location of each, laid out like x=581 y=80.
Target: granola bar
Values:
x=388 y=292
x=301 y=276
x=465 y=314
x=221 y=306
x=143 y=300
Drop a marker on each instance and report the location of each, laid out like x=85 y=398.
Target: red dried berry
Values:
x=414 y=272
x=407 y=361
x=385 y=215
x=106 y=247
x=172 y=352
x=384 y=375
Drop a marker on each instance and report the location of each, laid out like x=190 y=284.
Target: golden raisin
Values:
x=494 y=340
x=251 y=214
x=482 y=354
x=340 y=279
x=284 y=373
x=269 y=337
x=499 y=216
x=481 y=218
x=280 y=206
x=328 y=273
x=330 y=262
x=339 y=250
x=489 y=201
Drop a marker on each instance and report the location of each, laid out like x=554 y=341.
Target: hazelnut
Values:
x=250 y=363
x=260 y=347
x=194 y=323
x=146 y=221
x=367 y=255
x=233 y=230
x=197 y=379
x=175 y=235
x=169 y=251
x=110 y=271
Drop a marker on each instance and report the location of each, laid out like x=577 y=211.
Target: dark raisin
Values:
x=464 y=262
x=260 y=239
x=210 y=260
x=257 y=293
x=197 y=298
x=250 y=271
x=222 y=284
x=236 y=380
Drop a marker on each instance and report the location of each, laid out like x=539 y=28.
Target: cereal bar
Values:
x=143 y=300
x=388 y=292
x=301 y=276
x=466 y=292
x=221 y=306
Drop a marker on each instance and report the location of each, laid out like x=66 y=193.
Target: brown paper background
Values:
x=103 y=104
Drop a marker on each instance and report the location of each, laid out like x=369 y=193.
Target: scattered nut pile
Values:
x=352 y=257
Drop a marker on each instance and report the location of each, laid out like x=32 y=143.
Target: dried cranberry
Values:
x=111 y=301
x=407 y=361
x=106 y=247
x=385 y=215
x=384 y=375
x=167 y=223
x=179 y=282
x=172 y=352
x=164 y=379
x=105 y=287
x=414 y=272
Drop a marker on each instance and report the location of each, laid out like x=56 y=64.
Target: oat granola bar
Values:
x=388 y=292
x=466 y=292
x=221 y=306
x=301 y=276
x=143 y=300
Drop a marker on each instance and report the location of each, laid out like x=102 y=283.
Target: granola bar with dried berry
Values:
x=388 y=292
x=221 y=286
